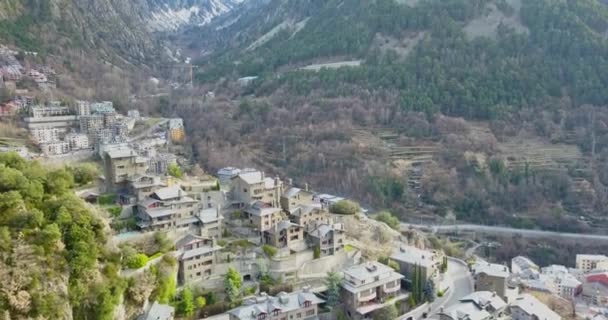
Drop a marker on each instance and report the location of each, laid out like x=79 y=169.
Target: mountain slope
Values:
x=490 y=111
x=118 y=29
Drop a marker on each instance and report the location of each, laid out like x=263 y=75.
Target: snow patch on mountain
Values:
x=169 y=18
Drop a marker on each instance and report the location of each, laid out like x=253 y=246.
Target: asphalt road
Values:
x=462 y=285
x=529 y=233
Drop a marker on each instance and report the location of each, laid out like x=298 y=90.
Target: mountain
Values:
x=109 y=29
x=170 y=15
x=440 y=108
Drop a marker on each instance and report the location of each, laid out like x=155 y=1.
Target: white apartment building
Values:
x=77 y=141
x=589 y=262
x=45 y=135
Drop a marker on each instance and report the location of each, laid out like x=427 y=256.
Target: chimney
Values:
x=277 y=181
x=263 y=175
x=290 y=182
x=306 y=187
x=306 y=289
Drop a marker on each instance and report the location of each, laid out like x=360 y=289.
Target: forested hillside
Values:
x=53 y=264
x=490 y=111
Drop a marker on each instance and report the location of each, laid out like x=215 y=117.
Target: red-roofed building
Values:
x=595 y=289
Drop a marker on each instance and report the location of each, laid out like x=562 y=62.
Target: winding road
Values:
x=462 y=285
x=529 y=233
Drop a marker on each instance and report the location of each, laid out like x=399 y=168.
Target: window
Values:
x=306 y=304
x=276 y=312
x=245 y=190
x=310 y=312
x=299 y=315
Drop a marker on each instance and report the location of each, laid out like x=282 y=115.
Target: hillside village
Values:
x=242 y=243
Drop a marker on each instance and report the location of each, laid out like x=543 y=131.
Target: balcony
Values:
x=391 y=289
x=369 y=297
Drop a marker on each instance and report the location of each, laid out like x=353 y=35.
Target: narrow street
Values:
x=462 y=285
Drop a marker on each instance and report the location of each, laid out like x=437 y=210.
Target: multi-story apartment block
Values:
x=142 y=186
x=52 y=115
x=308 y=215
x=211 y=222
x=298 y=305
x=491 y=277
x=83 y=108
x=480 y=305
x=55 y=148
x=295 y=198
x=177 y=132
x=595 y=289
x=197 y=258
x=77 y=141
x=369 y=287
x=409 y=258
x=251 y=185
x=589 y=262
x=91 y=123
x=167 y=208
x=45 y=135
x=284 y=234
x=263 y=216
x=527 y=307
x=160 y=162
x=102 y=107
x=122 y=164
x=328 y=237
x=568 y=286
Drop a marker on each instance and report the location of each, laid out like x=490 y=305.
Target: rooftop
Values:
x=491 y=269
x=283 y=302
x=476 y=306
x=169 y=193
x=368 y=275
x=532 y=306
x=413 y=255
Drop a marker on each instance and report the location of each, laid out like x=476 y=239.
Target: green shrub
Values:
x=137 y=261
x=317 y=252
x=389 y=219
x=107 y=199
x=115 y=211
x=345 y=207
x=269 y=250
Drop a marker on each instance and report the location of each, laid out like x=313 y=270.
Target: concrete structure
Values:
x=197 y=258
x=159 y=163
x=595 y=289
x=590 y=262
x=409 y=258
x=159 y=312
x=77 y=141
x=308 y=215
x=521 y=264
x=297 y=305
x=263 y=216
x=252 y=185
x=177 y=132
x=142 y=186
x=55 y=148
x=167 y=208
x=45 y=135
x=491 y=277
x=91 y=123
x=481 y=305
x=567 y=285
x=133 y=114
x=211 y=222
x=284 y=234
x=527 y=307
x=83 y=108
x=368 y=287
x=120 y=165
x=295 y=198
x=328 y=237
x=102 y=107
x=225 y=176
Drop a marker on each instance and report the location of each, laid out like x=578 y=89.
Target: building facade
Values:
x=328 y=237
x=167 y=208
x=368 y=287
x=198 y=256
x=298 y=305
